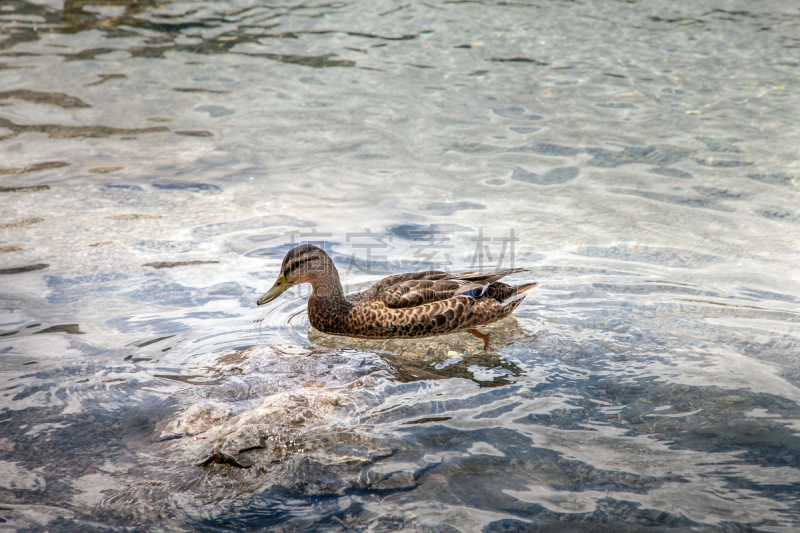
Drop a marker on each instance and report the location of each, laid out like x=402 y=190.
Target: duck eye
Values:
x=279 y=282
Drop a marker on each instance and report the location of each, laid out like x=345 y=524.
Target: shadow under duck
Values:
x=418 y=304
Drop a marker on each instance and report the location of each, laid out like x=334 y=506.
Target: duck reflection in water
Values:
x=104 y=13
x=442 y=357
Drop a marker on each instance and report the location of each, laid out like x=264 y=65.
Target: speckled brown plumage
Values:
x=418 y=304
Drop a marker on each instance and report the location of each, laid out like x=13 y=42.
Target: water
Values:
x=639 y=158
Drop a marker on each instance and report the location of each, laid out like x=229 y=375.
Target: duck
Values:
x=410 y=305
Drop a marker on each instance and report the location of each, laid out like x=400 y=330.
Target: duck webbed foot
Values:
x=480 y=336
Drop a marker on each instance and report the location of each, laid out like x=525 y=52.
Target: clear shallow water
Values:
x=643 y=155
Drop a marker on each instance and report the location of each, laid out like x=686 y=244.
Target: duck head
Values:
x=304 y=264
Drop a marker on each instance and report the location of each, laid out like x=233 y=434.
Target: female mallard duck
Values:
x=419 y=304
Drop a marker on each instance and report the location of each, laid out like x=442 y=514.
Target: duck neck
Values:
x=328 y=289
x=328 y=307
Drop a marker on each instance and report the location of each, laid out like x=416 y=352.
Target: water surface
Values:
x=160 y=158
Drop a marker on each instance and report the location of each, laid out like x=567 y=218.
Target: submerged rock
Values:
x=265 y=402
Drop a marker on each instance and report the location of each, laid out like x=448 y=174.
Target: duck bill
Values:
x=277 y=289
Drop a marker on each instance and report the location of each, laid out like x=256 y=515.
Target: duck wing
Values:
x=402 y=292
x=375 y=292
x=427 y=275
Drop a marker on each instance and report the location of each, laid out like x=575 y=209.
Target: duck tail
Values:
x=519 y=293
